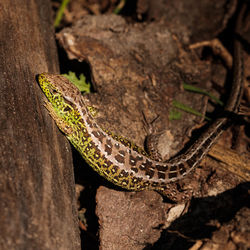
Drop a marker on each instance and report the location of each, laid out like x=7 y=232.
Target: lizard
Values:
x=116 y=158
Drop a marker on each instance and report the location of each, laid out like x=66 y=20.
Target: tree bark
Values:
x=37 y=195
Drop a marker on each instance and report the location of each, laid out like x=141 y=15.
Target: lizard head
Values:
x=62 y=96
x=56 y=87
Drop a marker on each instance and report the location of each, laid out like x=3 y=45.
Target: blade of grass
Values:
x=174 y=114
x=60 y=12
x=188 y=109
x=119 y=7
x=202 y=91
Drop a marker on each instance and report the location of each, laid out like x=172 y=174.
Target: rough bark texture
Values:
x=37 y=196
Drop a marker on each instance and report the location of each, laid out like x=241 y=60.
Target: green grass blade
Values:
x=188 y=109
x=60 y=13
x=119 y=7
x=202 y=91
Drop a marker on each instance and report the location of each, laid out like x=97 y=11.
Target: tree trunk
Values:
x=37 y=196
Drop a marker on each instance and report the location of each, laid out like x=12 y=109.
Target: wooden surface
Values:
x=37 y=196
